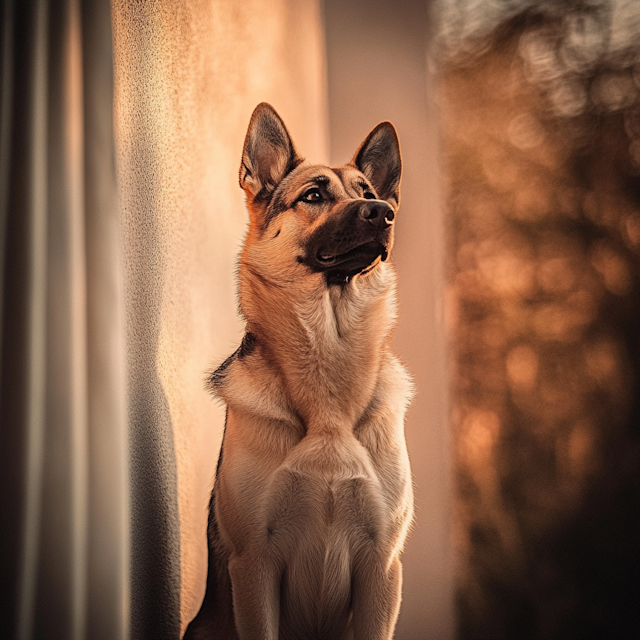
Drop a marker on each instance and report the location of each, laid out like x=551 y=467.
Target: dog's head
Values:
x=310 y=220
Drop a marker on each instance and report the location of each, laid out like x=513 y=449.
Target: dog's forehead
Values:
x=351 y=178
x=336 y=179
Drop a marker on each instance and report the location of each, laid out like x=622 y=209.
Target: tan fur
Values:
x=313 y=497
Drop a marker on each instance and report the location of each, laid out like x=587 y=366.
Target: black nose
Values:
x=378 y=213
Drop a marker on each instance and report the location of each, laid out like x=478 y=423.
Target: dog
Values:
x=312 y=499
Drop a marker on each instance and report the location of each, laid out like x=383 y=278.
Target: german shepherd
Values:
x=312 y=499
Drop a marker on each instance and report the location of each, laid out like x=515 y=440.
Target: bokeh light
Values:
x=541 y=136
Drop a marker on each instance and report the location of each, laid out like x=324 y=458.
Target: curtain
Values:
x=63 y=454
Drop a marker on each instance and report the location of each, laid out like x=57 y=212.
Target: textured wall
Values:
x=188 y=76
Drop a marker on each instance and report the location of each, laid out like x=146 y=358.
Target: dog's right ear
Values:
x=379 y=158
x=268 y=156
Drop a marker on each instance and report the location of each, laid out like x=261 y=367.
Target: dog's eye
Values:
x=312 y=195
x=369 y=196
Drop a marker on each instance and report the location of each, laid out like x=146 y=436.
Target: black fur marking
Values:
x=218 y=376
x=380 y=160
x=321 y=181
x=280 y=203
x=247 y=346
x=353 y=244
x=245 y=349
x=340 y=279
x=226 y=416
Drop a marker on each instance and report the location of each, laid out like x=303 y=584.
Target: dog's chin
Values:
x=341 y=268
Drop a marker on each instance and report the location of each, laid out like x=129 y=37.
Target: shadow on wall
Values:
x=155 y=525
x=542 y=138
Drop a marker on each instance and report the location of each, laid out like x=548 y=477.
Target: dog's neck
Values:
x=325 y=345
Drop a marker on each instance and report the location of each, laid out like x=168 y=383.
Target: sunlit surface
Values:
x=541 y=113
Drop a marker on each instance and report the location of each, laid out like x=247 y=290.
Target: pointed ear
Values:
x=268 y=155
x=378 y=157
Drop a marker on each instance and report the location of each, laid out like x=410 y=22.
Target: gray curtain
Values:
x=63 y=443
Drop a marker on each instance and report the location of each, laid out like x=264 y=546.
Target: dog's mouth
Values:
x=368 y=252
x=340 y=267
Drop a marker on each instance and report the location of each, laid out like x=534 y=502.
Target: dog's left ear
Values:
x=378 y=157
x=268 y=155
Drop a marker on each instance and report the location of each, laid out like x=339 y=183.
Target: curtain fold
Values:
x=108 y=480
x=63 y=464
x=24 y=311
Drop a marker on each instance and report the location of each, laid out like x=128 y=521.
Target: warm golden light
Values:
x=541 y=130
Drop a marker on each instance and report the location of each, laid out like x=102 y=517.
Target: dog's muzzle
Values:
x=351 y=242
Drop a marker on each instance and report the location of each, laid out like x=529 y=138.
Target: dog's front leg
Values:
x=256 y=596
x=376 y=600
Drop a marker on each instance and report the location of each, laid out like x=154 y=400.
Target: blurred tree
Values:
x=541 y=113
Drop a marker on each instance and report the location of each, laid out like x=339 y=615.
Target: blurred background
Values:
x=539 y=116
x=518 y=246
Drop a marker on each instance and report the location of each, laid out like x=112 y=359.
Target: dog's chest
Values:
x=299 y=486
x=330 y=457
x=328 y=488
